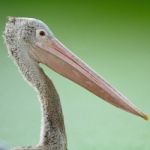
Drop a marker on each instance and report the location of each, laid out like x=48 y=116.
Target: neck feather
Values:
x=52 y=128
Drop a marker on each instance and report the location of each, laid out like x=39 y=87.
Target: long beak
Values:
x=60 y=59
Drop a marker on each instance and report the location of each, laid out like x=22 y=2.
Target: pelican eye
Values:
x=42 y=33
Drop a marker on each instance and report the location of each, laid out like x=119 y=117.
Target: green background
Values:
x=113 y=37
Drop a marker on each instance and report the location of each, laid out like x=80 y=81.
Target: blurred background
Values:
x=113 y=37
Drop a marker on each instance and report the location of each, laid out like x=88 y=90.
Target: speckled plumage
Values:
x=20 y=35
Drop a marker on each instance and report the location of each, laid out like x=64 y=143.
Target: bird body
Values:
x=53 y=136
x=30 y=42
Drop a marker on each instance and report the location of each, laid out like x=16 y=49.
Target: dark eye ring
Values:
x=42 y=33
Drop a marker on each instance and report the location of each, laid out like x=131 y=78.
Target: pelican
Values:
x=30 y=42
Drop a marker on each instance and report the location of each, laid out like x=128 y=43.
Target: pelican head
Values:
x=31 y=40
